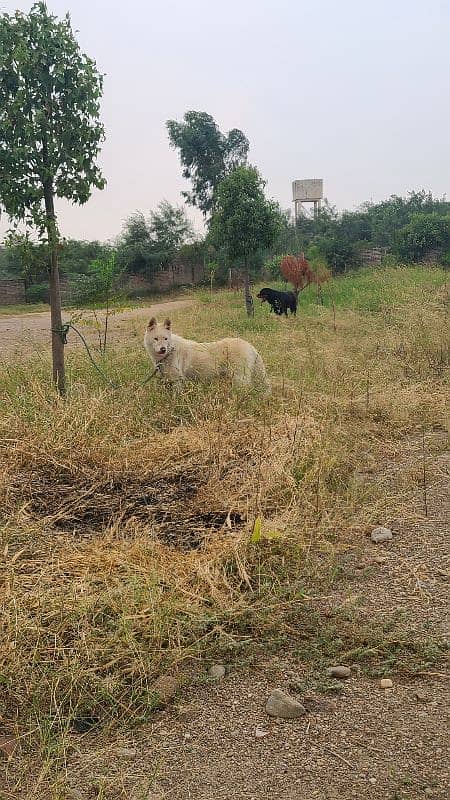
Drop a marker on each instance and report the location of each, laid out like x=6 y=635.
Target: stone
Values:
x=125 y=752
x=339 y=672
x=386 y=683
x=84 y=724
x=260 y=733
x=282 y=705
x=317 y=704
x=217 y=671
x=381 y=534
x=166 y=687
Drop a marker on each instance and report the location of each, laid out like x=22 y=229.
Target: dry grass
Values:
x=126 y=516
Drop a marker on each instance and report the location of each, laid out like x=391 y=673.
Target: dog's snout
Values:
x=162 y=349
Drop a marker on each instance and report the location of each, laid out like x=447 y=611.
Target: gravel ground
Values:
x=218 y=743
x=376 y=744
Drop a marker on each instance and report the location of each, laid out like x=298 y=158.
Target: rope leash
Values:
x=63 y=331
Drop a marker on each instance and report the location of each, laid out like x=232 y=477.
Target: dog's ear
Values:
x=167 y=324
x=152 y=323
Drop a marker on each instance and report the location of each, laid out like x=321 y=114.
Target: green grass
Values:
x=372 y=290
x=23 y=308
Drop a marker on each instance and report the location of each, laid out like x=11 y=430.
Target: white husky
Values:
x=181 y=359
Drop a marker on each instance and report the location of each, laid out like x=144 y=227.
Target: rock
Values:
x=217 y=671
x=84 y=724
x=381 y=534
x=339 y=672
x=125 y=752
x=386 y=683
x=260 y=733
x=166 y=687
x=282 y=705
x=317 y=704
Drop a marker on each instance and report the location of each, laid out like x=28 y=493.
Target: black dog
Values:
x=280 y=302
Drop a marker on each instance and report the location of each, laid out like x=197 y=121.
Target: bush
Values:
x=84 y=289
x=272 y=267
x=423 y=233
x=38 y=293
x=444 y=259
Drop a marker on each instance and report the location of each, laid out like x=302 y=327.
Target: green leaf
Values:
x=256 y=532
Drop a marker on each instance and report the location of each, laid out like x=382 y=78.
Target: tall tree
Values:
x=135 y=248
x=50 y=133
x=170 y=228
x=244 y=221
x=147 y=245
x=206 y=155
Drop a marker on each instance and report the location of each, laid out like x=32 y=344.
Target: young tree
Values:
x=297 y=270
x=50 y=133
x=206 y=155
x=243 y=221
x=104 y=278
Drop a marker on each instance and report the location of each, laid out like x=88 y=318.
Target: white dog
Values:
x=181 y=359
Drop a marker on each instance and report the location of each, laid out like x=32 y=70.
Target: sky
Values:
x=356 y=92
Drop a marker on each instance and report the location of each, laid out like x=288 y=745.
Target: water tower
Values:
x=309 y=190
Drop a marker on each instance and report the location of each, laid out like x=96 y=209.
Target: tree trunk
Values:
x=247 y=294
x=55 y=293
x=105 y=335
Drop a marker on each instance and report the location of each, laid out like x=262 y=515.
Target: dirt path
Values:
x=217 y=742
x=22 y=333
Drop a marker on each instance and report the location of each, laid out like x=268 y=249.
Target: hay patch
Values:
x=164 y=505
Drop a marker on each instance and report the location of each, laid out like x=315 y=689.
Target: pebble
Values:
x=260 y=733
x=125 y=752
x=282 y=705
x=217 y=671
x=339 y=672
x=314 y=703
x=166 y=687
x=381 y=534
x=386 y=683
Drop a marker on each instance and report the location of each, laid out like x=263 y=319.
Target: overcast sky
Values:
x=356 y=92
